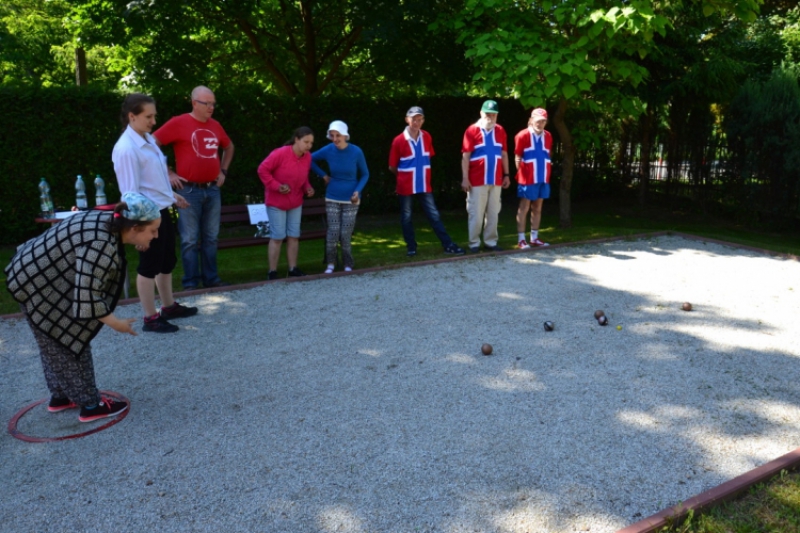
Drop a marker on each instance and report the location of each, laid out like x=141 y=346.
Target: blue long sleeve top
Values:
x=348 y=170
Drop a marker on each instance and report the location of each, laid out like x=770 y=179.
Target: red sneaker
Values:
x=104 y=409
x=60 y=404
x=539 y=242
x=523 y=245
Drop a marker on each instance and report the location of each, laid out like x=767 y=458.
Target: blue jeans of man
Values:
x=198 y=225
x=425 y=200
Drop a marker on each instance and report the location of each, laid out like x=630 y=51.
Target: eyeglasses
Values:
x=207 y=104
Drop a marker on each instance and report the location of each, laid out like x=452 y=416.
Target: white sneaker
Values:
x=348 y=269
x=329 y=270
x=523 y=245
x=538 y=242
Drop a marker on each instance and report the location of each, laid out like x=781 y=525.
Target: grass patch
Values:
x=771 y=506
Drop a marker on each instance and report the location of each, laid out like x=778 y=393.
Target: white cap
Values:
x=341 y=127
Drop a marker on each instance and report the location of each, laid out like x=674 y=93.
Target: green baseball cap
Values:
x=489 y=106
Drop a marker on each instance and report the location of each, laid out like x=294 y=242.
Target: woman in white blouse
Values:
x=141 y=167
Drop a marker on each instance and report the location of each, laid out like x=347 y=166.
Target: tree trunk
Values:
x=81 y=76
x=567 y=165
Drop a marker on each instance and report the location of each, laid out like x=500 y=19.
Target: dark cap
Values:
x=416 y=110
x=490 y=106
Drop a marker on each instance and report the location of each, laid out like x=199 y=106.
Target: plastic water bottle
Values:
x=100 y=193
x=45 y=202
x=80 y=194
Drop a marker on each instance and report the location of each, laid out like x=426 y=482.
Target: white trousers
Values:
x=483 y=208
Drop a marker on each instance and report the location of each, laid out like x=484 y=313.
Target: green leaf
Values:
x=569 y=91
x=498 y=61
x=566 y=68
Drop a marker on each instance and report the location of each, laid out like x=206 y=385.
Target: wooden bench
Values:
x=238 y=216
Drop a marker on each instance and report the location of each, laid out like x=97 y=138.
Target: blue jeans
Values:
x=284 y=224
x=198 y=225
x=425 y=200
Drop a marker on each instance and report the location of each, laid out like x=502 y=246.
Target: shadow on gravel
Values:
x=363 y=403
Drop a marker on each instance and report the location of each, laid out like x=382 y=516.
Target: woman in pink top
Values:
x=285 y=176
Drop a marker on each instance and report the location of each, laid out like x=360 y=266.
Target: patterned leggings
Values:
x=341 y=223
x=67 y=376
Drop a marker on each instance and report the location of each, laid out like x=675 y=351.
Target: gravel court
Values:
x=363 y=403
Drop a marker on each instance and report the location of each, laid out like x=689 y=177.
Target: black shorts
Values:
x=160 y=258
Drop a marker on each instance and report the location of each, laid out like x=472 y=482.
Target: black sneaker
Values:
x=177 y=310
x=60 y=404
x=273 y=274
x=494 y=248
x=104 y=409
x=296 y=273
x=475 y=249
x=411 y=253
x=159 y=324
x=454 y=249
x=217 y=284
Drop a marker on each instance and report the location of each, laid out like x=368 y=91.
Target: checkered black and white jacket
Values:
x=70 y=276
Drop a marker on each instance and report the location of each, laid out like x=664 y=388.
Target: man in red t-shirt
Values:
x=197 y=139
x=484 y=169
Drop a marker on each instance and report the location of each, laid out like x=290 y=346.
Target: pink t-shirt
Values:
x=280 y=167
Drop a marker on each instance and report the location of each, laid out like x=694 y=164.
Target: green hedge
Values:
x=62 y=132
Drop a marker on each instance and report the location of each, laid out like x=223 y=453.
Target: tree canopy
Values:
x=572 y=54
x=305 y=47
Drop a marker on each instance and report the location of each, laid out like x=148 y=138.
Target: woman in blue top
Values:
x=346 y=179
